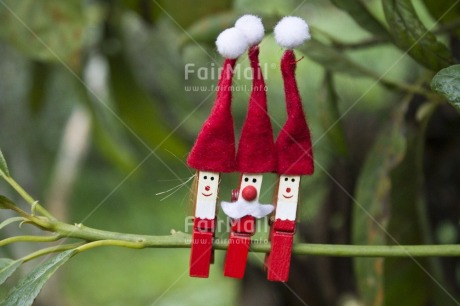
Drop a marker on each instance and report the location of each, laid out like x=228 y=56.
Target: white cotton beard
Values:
x=241 y=208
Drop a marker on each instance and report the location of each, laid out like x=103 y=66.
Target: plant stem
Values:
x=29 y=239
x=447 y=27
x=377 y=250
x=378 y=40
x=37 y=221
x=98 y=237
x=365 y=43
x=120 y=243
x=54 y=249
x=33 y=203
x=409 y=88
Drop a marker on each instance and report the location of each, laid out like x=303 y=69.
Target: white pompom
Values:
x=231 y=43
x=291 y=32
x=252 y=28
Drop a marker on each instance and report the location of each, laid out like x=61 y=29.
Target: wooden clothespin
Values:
x=294 y=153
x=212 y=154
x=255 y=156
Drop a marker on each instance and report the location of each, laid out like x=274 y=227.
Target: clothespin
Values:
x=214 y=153
x=294 y=153
x=255 y=156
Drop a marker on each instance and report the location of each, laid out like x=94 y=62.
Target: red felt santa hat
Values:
x=256 y=149
x=214 y=148
x=293 y=145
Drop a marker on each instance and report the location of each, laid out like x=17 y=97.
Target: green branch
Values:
x=341 y=250
x=120 y=243
x=97 y=238
x=378 y=40
x=41 y=222
x=29 y=239
x=53 y=249
x=28 y=198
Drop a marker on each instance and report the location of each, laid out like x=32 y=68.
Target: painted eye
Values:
x=293 y=180
x=205 y=177
x=254 y=180
x=286 y=179
x=212 y=178
x=246 y=179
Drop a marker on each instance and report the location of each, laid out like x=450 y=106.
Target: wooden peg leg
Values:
x=201 y=251
x=279 y=260
x=237 y=255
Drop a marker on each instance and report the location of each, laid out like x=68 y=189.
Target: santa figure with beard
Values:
x=255 y=156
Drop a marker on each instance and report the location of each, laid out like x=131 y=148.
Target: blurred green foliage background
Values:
x=96 y=120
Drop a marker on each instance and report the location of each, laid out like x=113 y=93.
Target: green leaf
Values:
x=447 y=83
x=360 y=13
x=5 y=203
x=3 y=166
x=29 y=287
x=107 y=137
x=5 y=262
x=148 y=10
x=409 y=225
x=411 y=36
x=404 y=225
x=334 y=60
x=206 y=29
x=113 y=149
x=40 y=73
x=444 y=11
x=185 y=13
x=371 y=212
x=139 y=110
x=44 y=29
x=330 y=116
x=7 y=268
x=11 y=220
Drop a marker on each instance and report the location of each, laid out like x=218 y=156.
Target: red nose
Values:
x=207 y=188
x=249 y=193
x=288 y=190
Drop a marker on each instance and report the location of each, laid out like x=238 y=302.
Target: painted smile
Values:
x=206 y=195
x=287 y=197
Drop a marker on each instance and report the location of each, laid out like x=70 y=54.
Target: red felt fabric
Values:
x=256 y=149
x=214 y=148
x=293 y=145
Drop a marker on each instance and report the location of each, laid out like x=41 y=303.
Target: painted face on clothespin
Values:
x=250 y=187
x=208 y=186
x=288 y=189
x=288 y=196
